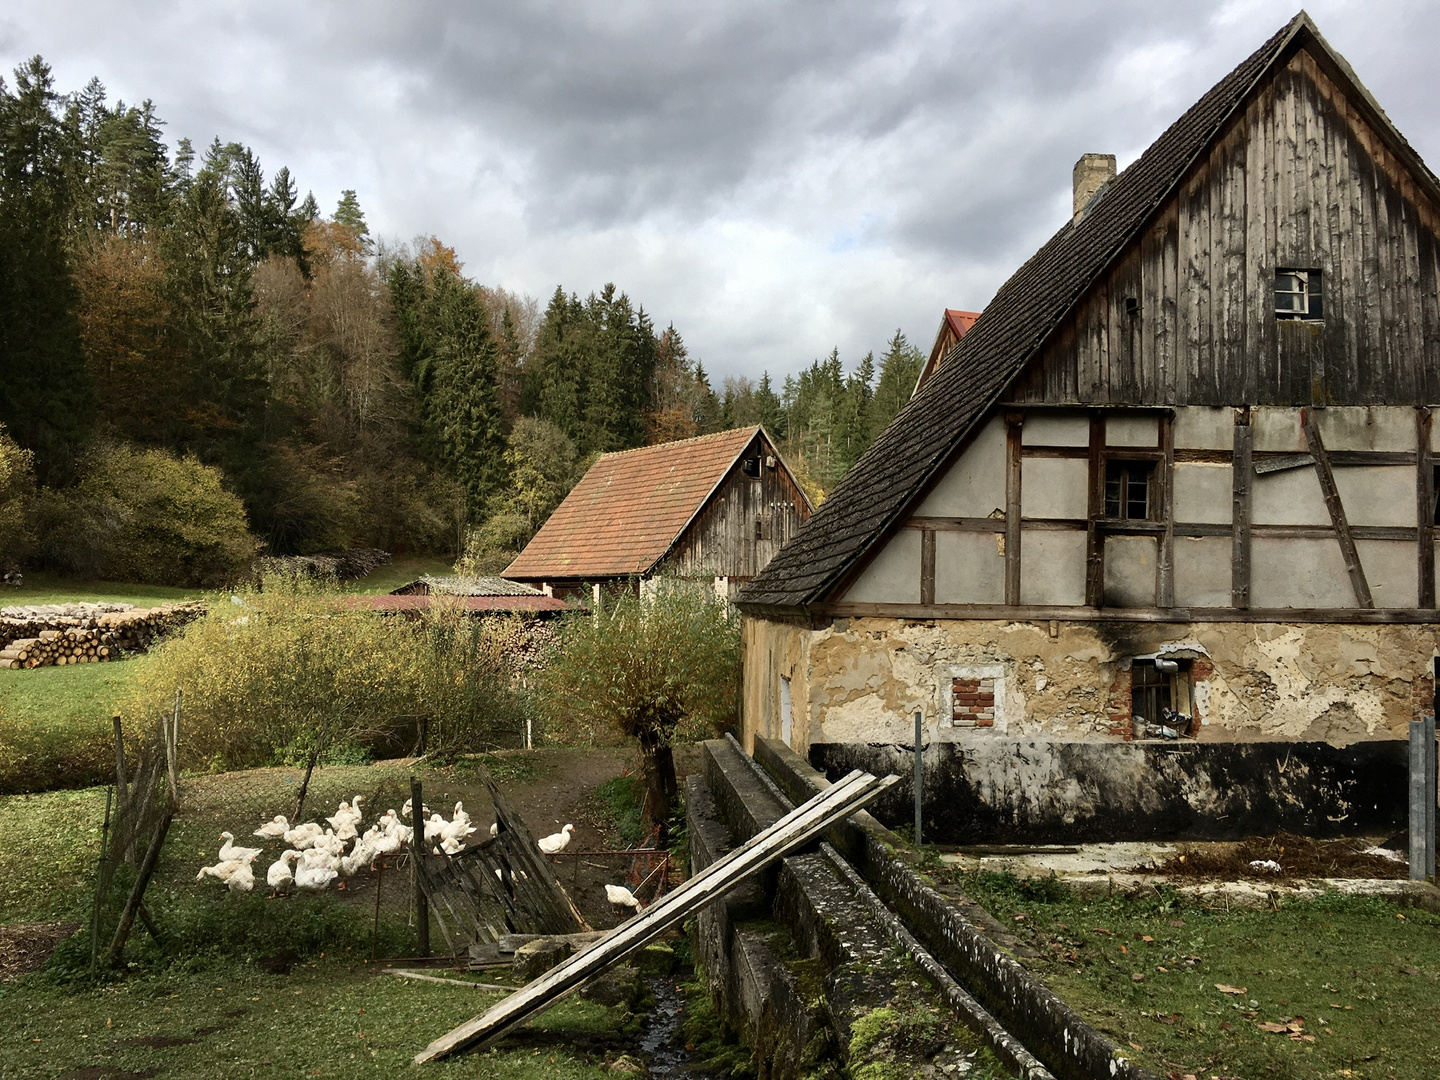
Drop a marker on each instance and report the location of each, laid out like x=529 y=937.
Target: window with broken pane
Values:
x=1299 y=294
x=1127 y=489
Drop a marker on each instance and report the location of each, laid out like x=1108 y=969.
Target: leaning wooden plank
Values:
x=791 y=832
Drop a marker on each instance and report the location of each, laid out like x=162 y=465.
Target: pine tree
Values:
x=46 y=399
x=899 y=370
x=349 y=215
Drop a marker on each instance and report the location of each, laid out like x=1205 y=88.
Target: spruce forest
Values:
x=198 y=366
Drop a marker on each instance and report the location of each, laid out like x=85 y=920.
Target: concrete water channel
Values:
x=848 y=956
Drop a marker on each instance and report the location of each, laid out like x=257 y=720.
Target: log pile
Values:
x=84 y=633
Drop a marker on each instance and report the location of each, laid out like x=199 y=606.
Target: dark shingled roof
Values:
x=1010 y=330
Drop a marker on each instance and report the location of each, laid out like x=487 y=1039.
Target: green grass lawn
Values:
x=1356 y=980
x=400 y=570
x=331 y=1017
x=41 y=588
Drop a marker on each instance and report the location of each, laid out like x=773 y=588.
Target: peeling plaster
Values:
x=861 y=680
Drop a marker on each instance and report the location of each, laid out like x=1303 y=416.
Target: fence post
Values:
x=417 y=852
x=919 y=770
x=99 y=883
x=1422 y=798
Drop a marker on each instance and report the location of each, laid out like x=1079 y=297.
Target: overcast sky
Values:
x=776 y=179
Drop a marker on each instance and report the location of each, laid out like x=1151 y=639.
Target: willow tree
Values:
x=658 y=668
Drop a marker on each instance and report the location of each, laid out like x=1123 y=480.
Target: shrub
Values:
x=147 y=516
x=48 y=752
x=655 y=667
x=17 y=489
x=295 y=672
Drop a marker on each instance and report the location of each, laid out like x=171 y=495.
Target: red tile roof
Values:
x=960 y=321
x=626 y=512
x=497 y=604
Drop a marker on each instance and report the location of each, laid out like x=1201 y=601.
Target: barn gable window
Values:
x=1299 y=295
x=1127 y=490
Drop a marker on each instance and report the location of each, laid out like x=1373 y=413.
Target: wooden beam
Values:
x=927 y=566
x=1425 y=507
x=1094 y=512
x=1012 y=506
x=1038 y=614
x=1326 y=475
x=1079 y=452
x=957 y=524
x=1165 y=564
x=1240 y=511
x=1299 y=532
x=791 y=832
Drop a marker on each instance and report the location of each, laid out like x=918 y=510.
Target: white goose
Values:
x=619 y=896
x=273 y=829
x=304 y=836
x=235 y=874
x=314 y=879
x=229 y=851
x=555 y=842
x=279 y=875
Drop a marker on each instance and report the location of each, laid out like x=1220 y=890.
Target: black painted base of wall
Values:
x=1031 y=791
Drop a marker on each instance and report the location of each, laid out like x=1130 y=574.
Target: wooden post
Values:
x=1013 y=422
x=99 y=876
x=1240 y=484
x=119 y=761
x=919 y=771
x=1095 y=511
x=1165 y=564
x=172 y=751
x=417 y=852
x=137 y=893
x=1425 y=506
x=1422 y=799
x=1331 y=493
x=927 y=566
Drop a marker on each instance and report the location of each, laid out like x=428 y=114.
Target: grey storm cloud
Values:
x=776 y=179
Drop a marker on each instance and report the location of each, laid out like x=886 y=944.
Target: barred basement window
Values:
x=1159 y=689
x=1127 y=489
x=1299 y=295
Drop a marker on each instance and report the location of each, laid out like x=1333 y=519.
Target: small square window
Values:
x=1158 y=690
x=1127 y=489
x=1299 y=295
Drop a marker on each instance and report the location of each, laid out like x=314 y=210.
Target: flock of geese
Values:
x=316 y=856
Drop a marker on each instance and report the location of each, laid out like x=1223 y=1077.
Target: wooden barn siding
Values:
x=1300 y=180
x=721 y=540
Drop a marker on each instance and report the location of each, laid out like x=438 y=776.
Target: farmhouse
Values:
x=714 y=508
x=1152 y=549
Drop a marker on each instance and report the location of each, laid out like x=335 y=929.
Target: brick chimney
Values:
x=1092 y=172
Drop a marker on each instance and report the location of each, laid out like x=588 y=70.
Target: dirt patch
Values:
x=1297 y=857
x=24 y=947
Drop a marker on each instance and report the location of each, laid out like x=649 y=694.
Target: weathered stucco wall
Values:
x=861 y=680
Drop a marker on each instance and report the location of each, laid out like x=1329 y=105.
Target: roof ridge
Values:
x=678 y=442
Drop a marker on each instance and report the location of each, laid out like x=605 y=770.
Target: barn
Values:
x=1152 y=548
x=713 y=509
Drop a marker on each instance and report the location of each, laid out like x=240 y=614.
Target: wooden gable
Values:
x=1307 y=175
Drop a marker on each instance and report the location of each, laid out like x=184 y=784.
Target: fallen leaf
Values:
x=1019 y=918
x=1162 y=968
x=1137 y=977
x=1146 y=937
x=1302 y=1038
x=1136 y=1046
x=1099 y=930
x=1405 y=969
x=1225 y=1025
x=1124 y=950
x=1239 y=991
x=1273 y=1028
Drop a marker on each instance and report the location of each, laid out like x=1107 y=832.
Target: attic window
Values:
x=1299 y=295
x=1127 y=490
x=751 y=467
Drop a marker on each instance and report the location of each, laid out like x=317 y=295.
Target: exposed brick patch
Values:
x=973 y=702
x=1118 y=705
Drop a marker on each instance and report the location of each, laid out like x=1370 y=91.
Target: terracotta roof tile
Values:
x=624 y=514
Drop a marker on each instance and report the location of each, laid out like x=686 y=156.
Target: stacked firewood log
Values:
x=84 y=634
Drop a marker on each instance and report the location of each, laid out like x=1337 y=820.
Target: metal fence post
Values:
x=919 y=770
x=1422 y=798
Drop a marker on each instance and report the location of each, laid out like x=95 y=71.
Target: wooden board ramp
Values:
x=791 y=832
x=502 y=886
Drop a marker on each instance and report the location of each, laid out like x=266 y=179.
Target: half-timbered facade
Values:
x=1175 y=488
